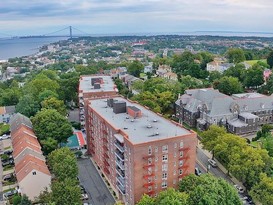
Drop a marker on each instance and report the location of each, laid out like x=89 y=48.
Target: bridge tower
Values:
x=70 y=31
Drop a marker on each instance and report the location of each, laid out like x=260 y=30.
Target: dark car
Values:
x=8 y=162
x=197 y=171
x=8 y=152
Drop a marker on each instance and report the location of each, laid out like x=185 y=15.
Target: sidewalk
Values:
x=220 y=166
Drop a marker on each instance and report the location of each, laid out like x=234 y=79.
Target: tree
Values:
x=46 y=94
x=237 y=71
x=269 y=59
x=228 y=85
x=263 y=191
x=168 y=197
x=135 y=68
x=54 y=103
x=214 y=75
x=146 y=200
x=207 y=189
x=235 y=55
x=9 y=96
x=48 y=145
x=211 y=136
x=50 y=123
x=254 y=76
x=69 y=84
x=66 y=192
x=63 y=163
x=267 y=143
x=27 y=105
x=25 y=200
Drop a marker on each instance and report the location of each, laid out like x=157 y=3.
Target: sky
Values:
x=38 y=17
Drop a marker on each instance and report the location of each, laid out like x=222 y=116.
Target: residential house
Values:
x=239 y=113
x=6 y=113
x=218 y=66
x=31 y=171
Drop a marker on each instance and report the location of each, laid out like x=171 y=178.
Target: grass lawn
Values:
x=4 y=128
x=252 y=62
x=8 y=167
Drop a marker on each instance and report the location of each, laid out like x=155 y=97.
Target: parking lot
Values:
x=96 y=189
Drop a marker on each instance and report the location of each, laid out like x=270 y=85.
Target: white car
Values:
x=239 y=189
x=4 y=137
x=212 y=162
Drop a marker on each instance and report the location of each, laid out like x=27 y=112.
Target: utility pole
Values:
x=70 y=31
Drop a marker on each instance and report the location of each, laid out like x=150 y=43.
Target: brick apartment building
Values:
x=138 y=150
x=92 y=87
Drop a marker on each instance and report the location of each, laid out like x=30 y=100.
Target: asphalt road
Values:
x=96 y=189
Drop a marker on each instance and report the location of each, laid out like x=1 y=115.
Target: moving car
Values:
x=212 y=162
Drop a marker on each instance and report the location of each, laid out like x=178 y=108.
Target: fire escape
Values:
x=185 y=165
x=149 y=174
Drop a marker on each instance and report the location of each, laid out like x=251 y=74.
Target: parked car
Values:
x=84 y=197
x=249 y=199
x=7 y=177
x=3 y=137
x=197 y=171
x=212 y=162
x=8 y=162
x=8 y=152
x=83 y=191
x=239 y=189
x=9 y=193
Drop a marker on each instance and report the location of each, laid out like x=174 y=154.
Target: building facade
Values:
x=239 y=113
x=138 y=150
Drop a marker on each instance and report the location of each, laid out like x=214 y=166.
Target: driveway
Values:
x=90 y=178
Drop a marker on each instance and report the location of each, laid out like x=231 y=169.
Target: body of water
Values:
x=17 y=47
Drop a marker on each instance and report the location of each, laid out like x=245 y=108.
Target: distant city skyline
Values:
x=36 y=17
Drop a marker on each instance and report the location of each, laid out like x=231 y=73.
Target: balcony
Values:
x=106 y=170
x=106 y=163
x=148 y=156
x=148 y=166
x=184 y=157
x=120 y=172
x=150 y=192
x=119 y=155
x=121 y=180
x=121 y=188
x=184 y=149
x=146 y=176
x=106 y=156
x=105 y=148
x=104 y=139
x=120 y=164
x=148 y=184
x=119 y=146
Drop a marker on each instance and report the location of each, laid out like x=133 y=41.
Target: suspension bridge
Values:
x=68 y=31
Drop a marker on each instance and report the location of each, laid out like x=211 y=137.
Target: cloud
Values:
x=25 y=16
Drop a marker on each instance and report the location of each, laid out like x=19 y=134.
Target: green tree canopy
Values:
x=254 y=76
x=228 y=85
x=135 y=68
x=207 y=189
x=237 y=71
x=63 y=163
x=28 y=105
x=269 y=59
x=50 y=123
x=263 y=191
x=235 y=55
x=54 y=103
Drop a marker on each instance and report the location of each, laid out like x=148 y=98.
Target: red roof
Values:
x=80 y=138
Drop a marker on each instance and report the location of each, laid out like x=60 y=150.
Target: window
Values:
x=165 y=158
x=180 y=163
x=164 y=175
x=175 y=145
x=156 y=159
x=149 y=150
x=150 y=188
x=150 y=161
x=181 y=154
x=180 y=171
x=165 y=148
x=34 y=173
x=174 y=154
x=174 y=172
x=156 y=149
x=174 y=164
x=181 y=144
x=164 y=184
x=174 y=181
x=164 y=167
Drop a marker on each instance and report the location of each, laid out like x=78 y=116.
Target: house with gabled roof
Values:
x=31 y=171
x=240 y=113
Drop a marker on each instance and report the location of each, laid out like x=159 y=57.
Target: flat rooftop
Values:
x=149 y=127
x=107 y=85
